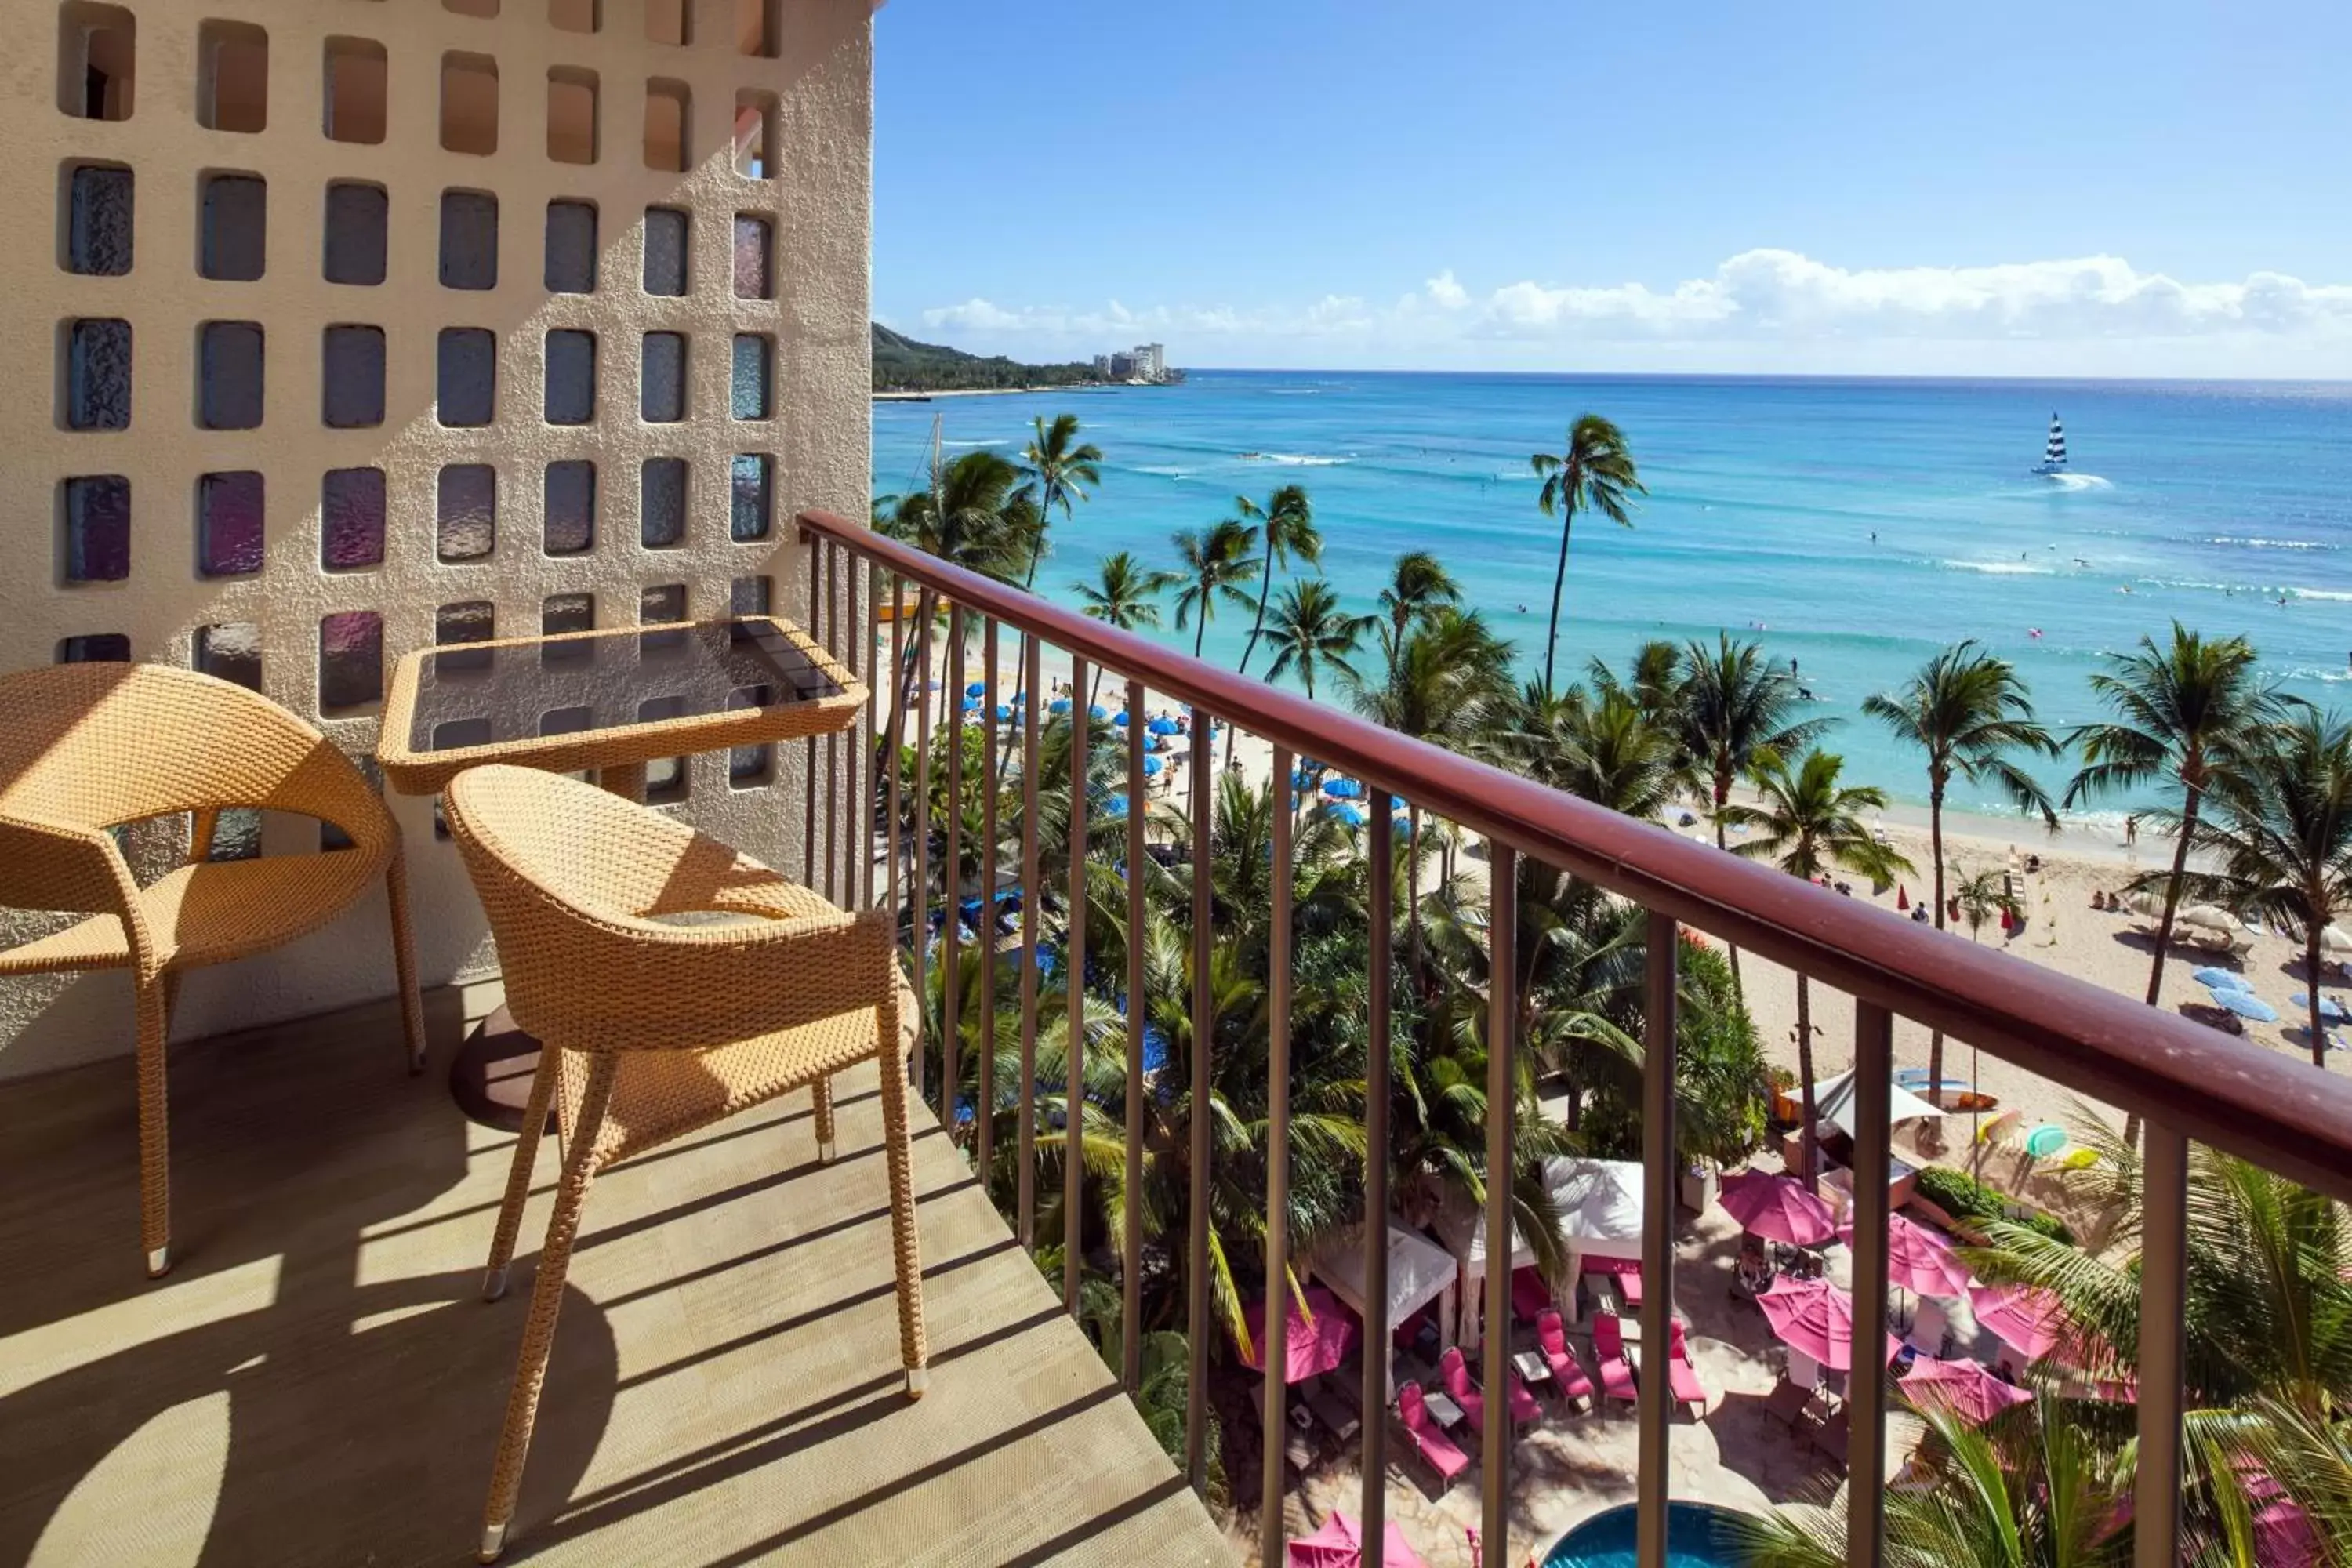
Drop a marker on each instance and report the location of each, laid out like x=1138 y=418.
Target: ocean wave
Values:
x=2080 y=482
x=2326 y=676
x=1300 y=459
x=2000 y=568
x=975 y=444
x=1165 y=470
x=2333 y=595
x=2246 y=542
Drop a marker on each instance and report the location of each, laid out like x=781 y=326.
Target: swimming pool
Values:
x=1696 y=1537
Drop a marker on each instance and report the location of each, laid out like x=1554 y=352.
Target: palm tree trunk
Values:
x=2172 y=893
x=1723 y=798
x=1936 y=854
x=1412 y=896
x=1265 y=592
x=1805 y=1083
x=1559 y=582
x=2311 y=994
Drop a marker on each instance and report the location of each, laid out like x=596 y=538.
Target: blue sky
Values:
x=2152 y=188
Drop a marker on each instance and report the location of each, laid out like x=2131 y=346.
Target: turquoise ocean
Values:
x=1853 y=525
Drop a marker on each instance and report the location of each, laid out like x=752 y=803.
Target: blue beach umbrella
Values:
x=1352 y=815
x=1059 y=705
x=2331 y=1011
x=1163 y=725
x=1097 y=713
x=971 y=704
x=975 y=688
x=2246 y=1004
x=2214 y=979
x=1120 y=718
x=1301 y=779
x=1343 y=789
x=1003 y=713
x=1151 y=766
x=1114 y=805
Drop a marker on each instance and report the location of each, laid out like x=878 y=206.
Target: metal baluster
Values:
x=1032 y=910
x=951 y=886
x=1874 y=1076
x=1197 y=1327
x=1502 y=1025
x=892 y=744
x=860 y=839
x=1273 y=1551
x=921 y=894
x=984 y=1106
x=1653 y=1479
x=1382 y=893
x=815 y=604
x=831 y=567
x=1074 y=971
x=2163 y=1299
x=1137 y=1020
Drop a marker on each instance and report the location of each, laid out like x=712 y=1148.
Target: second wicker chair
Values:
x=651 y=1029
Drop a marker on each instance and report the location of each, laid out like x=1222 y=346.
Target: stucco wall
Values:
x=195 y=69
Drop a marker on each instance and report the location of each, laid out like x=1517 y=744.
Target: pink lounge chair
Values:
x=1628 y=1282
x=1436 y=1449
x=1456 y=1373
x=1609 y=1351
x=1529 y=1297
x=1524 y=1408
x=1567 y=1372
x=1681 y=1376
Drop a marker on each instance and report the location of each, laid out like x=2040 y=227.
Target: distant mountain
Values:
x=902 y=364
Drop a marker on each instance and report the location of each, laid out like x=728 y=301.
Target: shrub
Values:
x=1965 y=1198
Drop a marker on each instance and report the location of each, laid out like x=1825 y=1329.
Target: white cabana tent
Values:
x=1461 y=1224
x=1601 y=1209
x=1420 y=1272
x=1834 y=1102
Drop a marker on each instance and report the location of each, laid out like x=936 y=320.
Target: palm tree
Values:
x=1059 y=467
x=1124 y=593
x=1968 y=710
x=2283 y=838
x=2188 y=713
x=1733 y=704
x=1595 y=473
x=1311 y=632
x=1418 y=584
x=1215 y=566
x=1807 y=822
x=1286 y=527
x=1981 y=897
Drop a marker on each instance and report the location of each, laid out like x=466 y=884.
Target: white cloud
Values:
x=1758 y=309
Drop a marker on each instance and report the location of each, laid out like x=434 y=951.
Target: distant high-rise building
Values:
x=1150 y=361
x=1122 y=367
x=1102 y=367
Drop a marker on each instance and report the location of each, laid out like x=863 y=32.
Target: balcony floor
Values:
x=318 y=1381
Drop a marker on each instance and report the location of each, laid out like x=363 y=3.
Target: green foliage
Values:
x=902 y=364
x=1972 y=1203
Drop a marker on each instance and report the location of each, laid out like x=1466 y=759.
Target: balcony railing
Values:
x=2188 y=1082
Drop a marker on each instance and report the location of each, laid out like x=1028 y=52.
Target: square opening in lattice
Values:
x=668 y=21
x=571 y=505
x=665 y=255
x=467 y=528
x=469 y=103
x=95 y=225
x=351 y=519
x=95 y=647
x=357 y=84
x=471 y=7
x=230 y=375
x=234 y=245
x=754 y=372
x=755 y=248
x=229 y=523
x=571 y=114
x=661 y=379
x=560 y=614
x=571 y=389
x=358 y=220
x=351 y=660
x=232 y=77
x=466 y=378
x=571 y=248
x=576 y=16
x=749 y=513
x=759 y=27
x=96 y=387
x=659 y=606
x=669 y=109
x=97 y=50
x=351 y=385
x=94 y=528
x=469 y=239
x=230 y=651
x=661 y=503
x=475 y=620
x=751 y=596
x=755 y=134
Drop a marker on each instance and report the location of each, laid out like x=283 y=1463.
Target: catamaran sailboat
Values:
x=2053 y=451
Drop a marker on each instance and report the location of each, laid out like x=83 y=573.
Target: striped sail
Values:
x=2053 y=451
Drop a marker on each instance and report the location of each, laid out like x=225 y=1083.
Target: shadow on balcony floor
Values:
x=317 y=1380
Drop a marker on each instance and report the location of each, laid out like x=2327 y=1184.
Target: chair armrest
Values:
x=59 y=865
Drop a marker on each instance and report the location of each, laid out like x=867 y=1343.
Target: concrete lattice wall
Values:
x=208 y=566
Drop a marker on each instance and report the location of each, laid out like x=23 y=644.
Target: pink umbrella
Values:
x=1308 y=1348
x=1919 y=1260
x=1963 y=1386
x=1777 y=1208
x=1816 y=1318
x=1341 y=1544
x=2029 y=1320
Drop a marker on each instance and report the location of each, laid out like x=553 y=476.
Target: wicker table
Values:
x=609 y=701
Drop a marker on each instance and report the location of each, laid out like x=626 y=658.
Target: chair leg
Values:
x=152 y=1002
x=404 y=960
x=546 y=1301
x=519 y=1174
x=824 y=1136
x=913 y=1350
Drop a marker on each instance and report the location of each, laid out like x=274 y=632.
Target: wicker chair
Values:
x=654 y=1029
x=87 y=747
